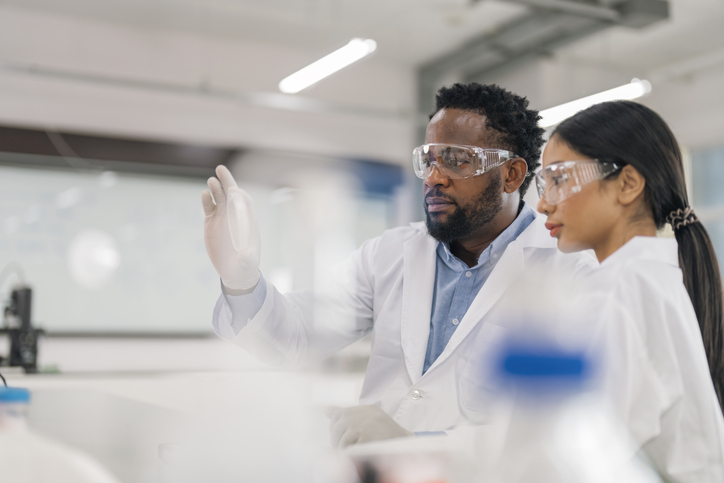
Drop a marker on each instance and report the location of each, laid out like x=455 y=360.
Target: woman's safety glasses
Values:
x=456 y=161
x=558 y=181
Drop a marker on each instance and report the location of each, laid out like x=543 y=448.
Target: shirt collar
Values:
x=498 y=246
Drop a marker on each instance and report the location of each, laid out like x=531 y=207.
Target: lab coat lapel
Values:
x=507 y=270
x=417 y=292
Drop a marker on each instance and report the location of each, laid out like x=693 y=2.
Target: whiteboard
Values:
x=162 y=280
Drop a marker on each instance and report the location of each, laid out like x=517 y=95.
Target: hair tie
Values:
x=682 y=217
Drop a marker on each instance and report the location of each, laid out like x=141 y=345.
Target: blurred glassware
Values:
x=560 y=427
x=27 y=457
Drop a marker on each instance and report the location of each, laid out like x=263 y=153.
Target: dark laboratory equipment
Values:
x=23 y=336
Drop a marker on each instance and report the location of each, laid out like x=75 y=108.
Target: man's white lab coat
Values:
x=387 y=286
x=658 y=376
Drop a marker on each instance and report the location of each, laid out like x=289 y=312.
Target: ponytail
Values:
x=626 y=132
x=702 y=279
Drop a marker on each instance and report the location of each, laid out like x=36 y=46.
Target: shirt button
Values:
x=468 y=274
x=495 y=255
x=415 y=394
x=455 y=321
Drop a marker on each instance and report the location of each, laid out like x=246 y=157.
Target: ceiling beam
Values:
x=576 y=8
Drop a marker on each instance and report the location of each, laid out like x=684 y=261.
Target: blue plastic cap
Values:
x=14 y=395
x=533 y=364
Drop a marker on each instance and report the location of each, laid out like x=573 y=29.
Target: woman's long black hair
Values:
x=626 y=132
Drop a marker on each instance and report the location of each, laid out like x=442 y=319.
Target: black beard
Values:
x=465 y=220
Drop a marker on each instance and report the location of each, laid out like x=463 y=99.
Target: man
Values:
x=427 y=291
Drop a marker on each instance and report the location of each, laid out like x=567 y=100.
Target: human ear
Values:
x=631 y=185
x=515 y=172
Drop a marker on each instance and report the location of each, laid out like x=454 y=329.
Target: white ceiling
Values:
x=407 y=31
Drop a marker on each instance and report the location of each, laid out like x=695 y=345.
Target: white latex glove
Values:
x=231 y=232
x=361 y=424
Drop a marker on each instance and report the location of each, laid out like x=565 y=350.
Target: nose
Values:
x=436 y=178
x=545 y=207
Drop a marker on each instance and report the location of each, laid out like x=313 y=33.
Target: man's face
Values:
x=456 y=208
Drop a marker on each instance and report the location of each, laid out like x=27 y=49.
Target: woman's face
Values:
x=584 y=220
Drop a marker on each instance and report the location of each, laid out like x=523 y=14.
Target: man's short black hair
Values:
x=506 y=113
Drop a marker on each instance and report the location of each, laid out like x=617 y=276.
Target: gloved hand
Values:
x=231 y=232
x=361 y=424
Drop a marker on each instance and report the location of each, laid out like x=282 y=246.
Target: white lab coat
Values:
x=387 y=285
x=658 y=377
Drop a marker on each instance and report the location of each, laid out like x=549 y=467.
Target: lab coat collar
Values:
x=419 y=226
x=647 y=248
x=419 y=279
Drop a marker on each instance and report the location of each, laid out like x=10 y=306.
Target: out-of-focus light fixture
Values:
x=635 y=89
x=327 y=65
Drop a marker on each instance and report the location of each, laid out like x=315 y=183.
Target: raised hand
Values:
x=231 y=232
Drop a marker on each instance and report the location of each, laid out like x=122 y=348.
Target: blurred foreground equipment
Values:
x=28 y=457
x=561 y=428
x=23 y=336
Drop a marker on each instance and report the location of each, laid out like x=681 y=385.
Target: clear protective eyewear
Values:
x=558 y=181
x=457 y=161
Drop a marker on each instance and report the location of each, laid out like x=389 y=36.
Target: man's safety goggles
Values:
x=456 y=161
x=558 y=181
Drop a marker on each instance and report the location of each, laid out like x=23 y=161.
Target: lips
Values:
x=554 y=228
x=436 y=204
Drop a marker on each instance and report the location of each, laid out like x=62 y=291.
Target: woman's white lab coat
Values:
x=388 y=285
x=657 y=369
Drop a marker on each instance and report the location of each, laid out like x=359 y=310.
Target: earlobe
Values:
x=516 y=172
x=631 y=185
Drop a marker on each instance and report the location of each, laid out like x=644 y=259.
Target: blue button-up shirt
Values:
x=456 y=286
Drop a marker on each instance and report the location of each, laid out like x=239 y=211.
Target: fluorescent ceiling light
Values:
x=327 y=65
x=637 y=88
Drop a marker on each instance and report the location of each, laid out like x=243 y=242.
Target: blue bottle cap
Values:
x=544 y=364
x=543 y=370
x=14 y=395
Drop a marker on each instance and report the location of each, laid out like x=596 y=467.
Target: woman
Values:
x=612 y=177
